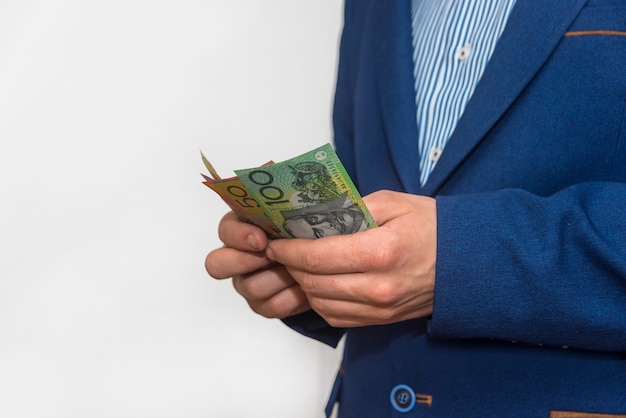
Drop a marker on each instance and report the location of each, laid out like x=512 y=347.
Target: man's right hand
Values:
x=267 y=286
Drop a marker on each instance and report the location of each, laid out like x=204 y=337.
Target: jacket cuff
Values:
x=314 y=326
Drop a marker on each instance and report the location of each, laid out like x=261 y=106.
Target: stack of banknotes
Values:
x=308 y=196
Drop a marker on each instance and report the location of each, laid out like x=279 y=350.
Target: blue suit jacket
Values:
x=530 y=300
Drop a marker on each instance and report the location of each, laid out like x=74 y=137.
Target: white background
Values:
x=105 y=307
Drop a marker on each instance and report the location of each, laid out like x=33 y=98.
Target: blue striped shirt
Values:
x=452 y=43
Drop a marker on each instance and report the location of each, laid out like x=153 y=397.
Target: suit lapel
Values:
x=532 y=32
x=534 y=29
x=395 y=86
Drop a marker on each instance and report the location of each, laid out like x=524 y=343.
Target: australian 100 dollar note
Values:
x=234 y=193
x=309 y=196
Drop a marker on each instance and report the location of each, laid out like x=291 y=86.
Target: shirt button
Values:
x=463 y=53
x=402 y=398
x=434 y=154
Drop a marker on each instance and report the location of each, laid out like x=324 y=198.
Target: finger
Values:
x=344 y=314
x=375 y=290
x=264 y=283
x=369 y=250
x=227 y=262
x=235 y=233
x=288 y=302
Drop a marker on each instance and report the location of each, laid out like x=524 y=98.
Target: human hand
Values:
x=379 y=276
x=267 y=287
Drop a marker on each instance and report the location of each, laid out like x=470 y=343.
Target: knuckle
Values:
x=276 y=309
x=266 y=307
x=377 y=197
x=384 y=293
x=253 y=289
x=384 y=195
x=279 y=307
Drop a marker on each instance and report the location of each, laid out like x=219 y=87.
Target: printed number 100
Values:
x=272 y=194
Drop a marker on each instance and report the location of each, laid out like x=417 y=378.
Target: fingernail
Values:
x=270 y=254
x=252 y=242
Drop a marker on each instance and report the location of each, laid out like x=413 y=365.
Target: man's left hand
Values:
x=379 y=276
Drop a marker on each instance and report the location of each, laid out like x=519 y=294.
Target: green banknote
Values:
x=309 y=196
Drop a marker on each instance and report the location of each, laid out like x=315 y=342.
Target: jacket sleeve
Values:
x=314 y=326
x=541 y=270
